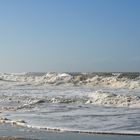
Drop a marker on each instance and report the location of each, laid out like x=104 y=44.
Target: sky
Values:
x=70 y=35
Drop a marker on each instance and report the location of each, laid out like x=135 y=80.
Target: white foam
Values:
x=110 y=99
x=54 y=78
x=64 y=78
x=114 y=82
x=23 y=123
x=72 y=108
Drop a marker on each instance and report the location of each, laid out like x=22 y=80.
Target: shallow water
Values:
x=68 y=107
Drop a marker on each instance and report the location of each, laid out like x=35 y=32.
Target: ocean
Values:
x=74 y=102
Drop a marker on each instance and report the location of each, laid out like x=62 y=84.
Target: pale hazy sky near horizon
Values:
x=69 y=35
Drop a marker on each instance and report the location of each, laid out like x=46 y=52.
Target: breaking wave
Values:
x=115 y=80
x=97 y=98
x=113 y=100
x=74 y=102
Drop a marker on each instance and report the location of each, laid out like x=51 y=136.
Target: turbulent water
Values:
x=80 y=102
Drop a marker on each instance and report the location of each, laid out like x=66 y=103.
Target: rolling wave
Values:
x=114 y=100
x=115 y=80
x=97 y=98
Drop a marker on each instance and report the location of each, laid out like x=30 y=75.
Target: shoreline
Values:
x=12 y=138
x=9 y=132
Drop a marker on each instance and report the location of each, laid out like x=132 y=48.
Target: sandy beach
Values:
x=11 y=138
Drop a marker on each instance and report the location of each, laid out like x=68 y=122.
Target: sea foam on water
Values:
x=79 y=102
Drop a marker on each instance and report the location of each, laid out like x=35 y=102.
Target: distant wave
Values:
x=115 y=80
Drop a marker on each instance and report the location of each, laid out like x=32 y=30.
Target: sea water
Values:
x=78 y=102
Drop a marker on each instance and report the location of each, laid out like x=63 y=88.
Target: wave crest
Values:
x=113 y=100
x=126 y=80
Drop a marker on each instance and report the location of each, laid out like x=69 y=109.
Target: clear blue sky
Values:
x=69 y=35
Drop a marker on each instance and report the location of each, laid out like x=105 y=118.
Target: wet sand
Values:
x=10 y=138
x=8 y=132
